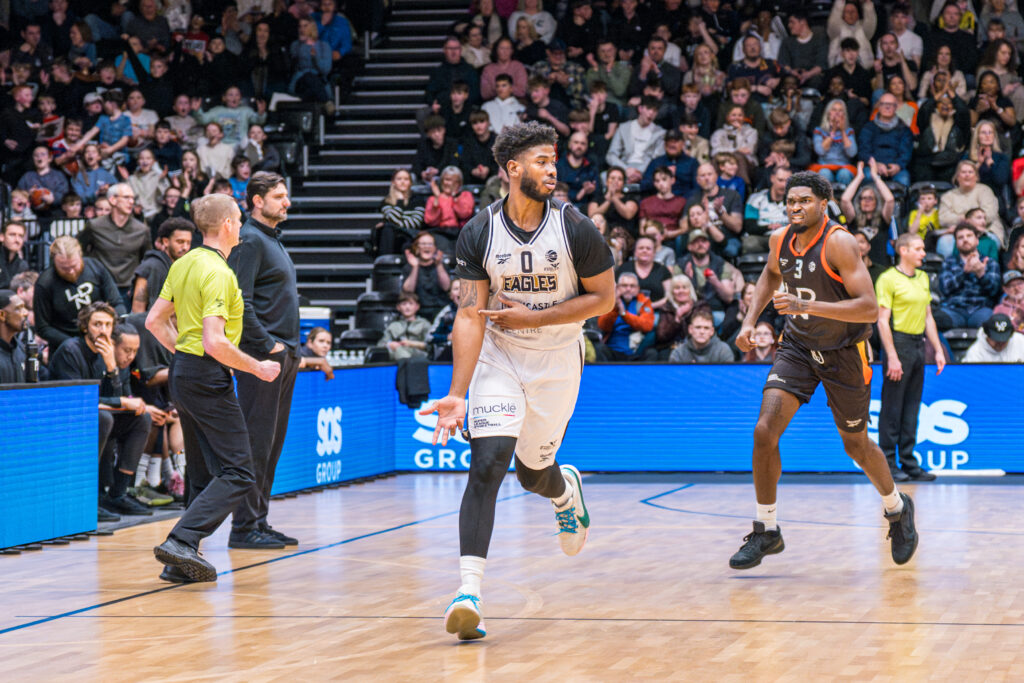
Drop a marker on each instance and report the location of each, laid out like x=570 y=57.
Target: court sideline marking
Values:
x=279 y=558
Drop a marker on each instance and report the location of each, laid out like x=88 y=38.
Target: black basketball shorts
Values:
x=844 y=372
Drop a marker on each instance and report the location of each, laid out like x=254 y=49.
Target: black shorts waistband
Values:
x=896 y=334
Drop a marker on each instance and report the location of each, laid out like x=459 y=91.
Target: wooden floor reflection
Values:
x=651 y=597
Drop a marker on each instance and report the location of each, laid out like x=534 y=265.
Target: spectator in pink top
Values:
x=502 y=63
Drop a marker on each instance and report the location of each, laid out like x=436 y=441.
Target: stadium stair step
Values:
x=348 y=168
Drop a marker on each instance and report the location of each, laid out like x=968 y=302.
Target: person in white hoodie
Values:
x=850 y=20
x=148 y=182
x=997 y=342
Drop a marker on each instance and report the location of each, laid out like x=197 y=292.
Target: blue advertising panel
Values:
x=339 y=429
x=701 y=418
x=49 y=474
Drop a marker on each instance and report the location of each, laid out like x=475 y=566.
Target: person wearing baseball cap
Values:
x=567 y=78
x=997 y=342
x=714 y=279
x=1012 y=304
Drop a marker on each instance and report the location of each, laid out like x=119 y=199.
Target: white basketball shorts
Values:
x=525 y=393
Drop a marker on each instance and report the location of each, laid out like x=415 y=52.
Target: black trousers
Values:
x=215 y=435
x=122 y=438
x=266 y=406
x=901 y=401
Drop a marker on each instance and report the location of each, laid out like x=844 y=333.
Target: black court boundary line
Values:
x=279 y=558
x=647 y=501
x=372 y=617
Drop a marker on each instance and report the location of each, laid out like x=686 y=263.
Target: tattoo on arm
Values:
x=468 y=297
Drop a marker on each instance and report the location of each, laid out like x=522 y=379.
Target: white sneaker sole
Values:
x=464 y=622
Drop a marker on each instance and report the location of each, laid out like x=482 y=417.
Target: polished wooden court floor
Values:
x=650 y=598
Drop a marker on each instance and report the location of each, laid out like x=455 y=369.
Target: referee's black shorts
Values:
x=844 y=373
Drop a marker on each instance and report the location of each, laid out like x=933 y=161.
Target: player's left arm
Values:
x=597 y=298
x=843 y=257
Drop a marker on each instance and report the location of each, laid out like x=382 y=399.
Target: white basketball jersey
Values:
x=538 y=274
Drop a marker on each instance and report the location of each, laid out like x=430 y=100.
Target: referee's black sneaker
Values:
x=174 y=575
x=758 y=543
x=187 y=559
x=918 y=474
x=254 y=540
x=902 y=531
x=274 y=533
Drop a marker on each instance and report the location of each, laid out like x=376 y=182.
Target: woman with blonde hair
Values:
x=986 y=151
x=675 y=316
x=835 y=145
x=401 y=213
x=869 y=209
x=529 y=47
x=533 y=11
x=969 y=193
x=705 y=73
x=311 y=64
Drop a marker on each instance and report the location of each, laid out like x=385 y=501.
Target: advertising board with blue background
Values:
x=701 y=418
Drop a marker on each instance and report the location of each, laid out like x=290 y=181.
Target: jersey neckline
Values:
x=508 y=224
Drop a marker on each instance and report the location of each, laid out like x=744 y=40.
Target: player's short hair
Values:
x=261 y=183
x=906 y=239
x=86 y=314
x=172 y=225
x=123 y=329
x=514 y=140
x=818 y=185
x=210 y=211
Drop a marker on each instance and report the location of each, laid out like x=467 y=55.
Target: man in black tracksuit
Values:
x=270 y=331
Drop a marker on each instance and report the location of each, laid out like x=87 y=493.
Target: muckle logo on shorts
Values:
x=530 y=283
x=495 y=409
x=328 y=431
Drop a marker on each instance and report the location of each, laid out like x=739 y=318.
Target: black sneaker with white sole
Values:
x=184 y=557
x=902 y=532
x=757 y=544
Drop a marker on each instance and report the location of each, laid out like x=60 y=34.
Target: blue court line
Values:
x=279 y=558
x=647 y=501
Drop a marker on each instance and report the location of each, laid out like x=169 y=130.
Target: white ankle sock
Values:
x=893 y=502
x=471 y=568
x=140 y=471
x=565 y=500
x=154 y=470
x=766 y=515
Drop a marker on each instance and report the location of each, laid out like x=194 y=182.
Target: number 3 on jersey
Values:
x=798 y=272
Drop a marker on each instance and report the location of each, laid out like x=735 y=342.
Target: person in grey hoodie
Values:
x=701 y=345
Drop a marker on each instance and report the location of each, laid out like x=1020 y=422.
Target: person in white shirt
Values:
x=638 y=141
x=215 y=155
x=997 y=342
x=910 y=43
x=505 y=108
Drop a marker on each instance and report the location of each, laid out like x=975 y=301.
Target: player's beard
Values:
x=534 y=190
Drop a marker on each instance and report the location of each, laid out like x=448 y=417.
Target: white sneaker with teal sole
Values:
x=463 y=617
x=574 y=521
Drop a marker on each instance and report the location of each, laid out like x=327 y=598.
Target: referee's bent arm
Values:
x=217 y=345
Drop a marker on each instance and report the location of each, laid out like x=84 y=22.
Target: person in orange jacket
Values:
x=626 y=325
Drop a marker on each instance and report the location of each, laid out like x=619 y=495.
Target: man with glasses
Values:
x=118 y=240
x=887 y=140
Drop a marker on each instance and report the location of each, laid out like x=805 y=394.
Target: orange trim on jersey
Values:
x=865 y=368
x=824 y=255
x=814 y=241
x=774 y=251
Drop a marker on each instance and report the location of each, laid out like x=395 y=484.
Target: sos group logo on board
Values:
x=940 y=426
x=328 y=431
x=454 y=455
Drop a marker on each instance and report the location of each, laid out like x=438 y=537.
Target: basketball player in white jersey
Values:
x=532 y=270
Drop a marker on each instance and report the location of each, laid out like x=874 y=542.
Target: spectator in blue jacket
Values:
x=969 y=283
x=888 y=141
x=334 y=29
x=675 y=158
x=311 y=64
x=577 y=170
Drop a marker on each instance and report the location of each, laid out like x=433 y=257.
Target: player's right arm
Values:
x=767 y=284
x=467 y=338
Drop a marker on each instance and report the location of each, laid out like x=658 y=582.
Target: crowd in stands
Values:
x=114 y=118
x=681 y=120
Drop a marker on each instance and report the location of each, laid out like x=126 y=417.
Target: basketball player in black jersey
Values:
x=815 y=276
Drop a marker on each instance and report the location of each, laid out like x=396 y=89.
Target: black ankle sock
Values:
x=120 y=485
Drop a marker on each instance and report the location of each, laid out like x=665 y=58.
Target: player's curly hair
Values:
x=819 y=186
x=514 y=140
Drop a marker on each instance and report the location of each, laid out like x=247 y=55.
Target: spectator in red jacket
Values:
x=449 y=209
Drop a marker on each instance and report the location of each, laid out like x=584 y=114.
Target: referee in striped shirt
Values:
x=904 y=302
x=202 y=291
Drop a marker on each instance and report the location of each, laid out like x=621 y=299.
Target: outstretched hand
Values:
x=451 y=416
